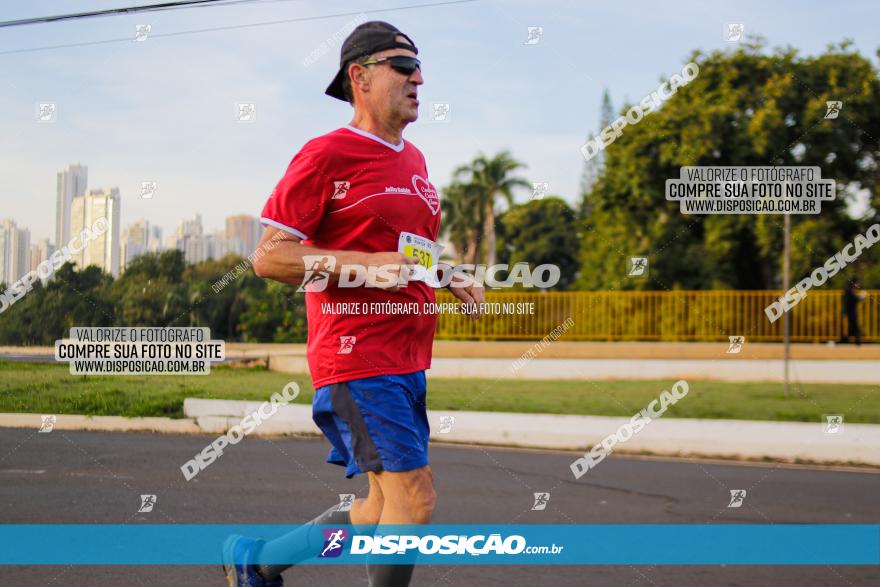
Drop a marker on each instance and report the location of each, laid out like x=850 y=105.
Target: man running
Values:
x=360 y=195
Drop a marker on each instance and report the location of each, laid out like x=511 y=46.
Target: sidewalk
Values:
x=800 y=442
x=733 y=439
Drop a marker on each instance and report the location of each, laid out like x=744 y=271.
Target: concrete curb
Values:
x=103 y=423
x=735 y=439
x=683 y=437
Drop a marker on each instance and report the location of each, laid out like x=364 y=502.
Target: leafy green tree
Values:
x=462 y=220
x=141 y=294
x=71 y=298
x=273 y=312
x=593 y=167
x=744 y=108
x=539 y=232
x=492 y=178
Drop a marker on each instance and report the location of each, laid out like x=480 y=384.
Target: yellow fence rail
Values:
x=657 y=315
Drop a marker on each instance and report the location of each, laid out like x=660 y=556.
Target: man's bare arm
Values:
x=280 y=257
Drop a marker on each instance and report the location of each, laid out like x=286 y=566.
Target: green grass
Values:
x=50 y=389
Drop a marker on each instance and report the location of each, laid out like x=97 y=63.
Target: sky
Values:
x=164 y=109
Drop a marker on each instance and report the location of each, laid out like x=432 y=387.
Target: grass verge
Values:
x=49 y=388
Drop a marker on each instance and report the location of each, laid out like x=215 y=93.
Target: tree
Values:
x=462 y=220
x=142 y=292
x=593 y=167
x=274 y=312
x=744 y=108
x=541 y=232
x=491 y=178
x=71 y=298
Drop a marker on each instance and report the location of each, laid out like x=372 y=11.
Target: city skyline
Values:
x=77 y=206
x=164 y=109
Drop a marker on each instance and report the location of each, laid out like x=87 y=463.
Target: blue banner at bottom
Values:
x=472 y=544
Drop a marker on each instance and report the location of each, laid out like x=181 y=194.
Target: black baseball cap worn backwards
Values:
x=368 y=38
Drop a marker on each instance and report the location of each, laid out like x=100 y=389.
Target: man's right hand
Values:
x=394 y=267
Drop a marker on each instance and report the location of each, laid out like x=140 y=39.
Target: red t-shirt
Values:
x=350 y=190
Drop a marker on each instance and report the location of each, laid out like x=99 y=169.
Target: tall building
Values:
x=40 y=252
x=15 y=247
x=218 y=246
x=134 y=242
x=71 y=184
x=243 y=232
x=139 y=238
x=154 y=239
x=189 y=238
x=104 y=250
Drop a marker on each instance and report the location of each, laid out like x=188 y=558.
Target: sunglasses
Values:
x=399 y=63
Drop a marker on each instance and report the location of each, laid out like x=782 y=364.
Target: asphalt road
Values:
x=96 y=477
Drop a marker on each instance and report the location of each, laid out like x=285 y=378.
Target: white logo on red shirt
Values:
x=341 y=189
x=427 y=193
x=346 y=345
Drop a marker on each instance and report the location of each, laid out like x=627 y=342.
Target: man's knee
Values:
x=367 y=510
x=421 y=495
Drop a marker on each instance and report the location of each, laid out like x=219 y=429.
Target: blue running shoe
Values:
x=238 y=552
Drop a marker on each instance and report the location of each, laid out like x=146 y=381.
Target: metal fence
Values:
x=658 y=315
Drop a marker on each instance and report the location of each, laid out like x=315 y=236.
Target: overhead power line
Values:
x=111 y=12
x=237 y=26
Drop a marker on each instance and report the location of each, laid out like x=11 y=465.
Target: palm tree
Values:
x=491 y=178
x=462 y=218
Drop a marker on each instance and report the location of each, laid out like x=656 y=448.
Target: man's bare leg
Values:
x=368 y=511
x=409 y=498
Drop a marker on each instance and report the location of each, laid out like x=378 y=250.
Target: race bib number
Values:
x=424 y=249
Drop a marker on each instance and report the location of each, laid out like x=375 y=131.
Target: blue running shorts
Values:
x=375 y=424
